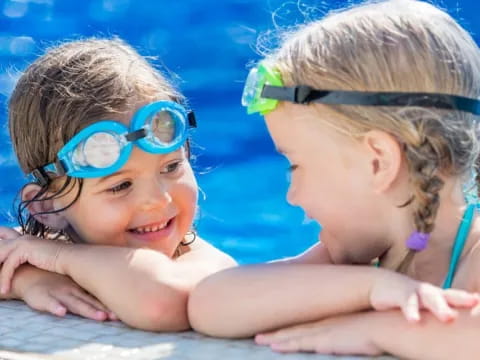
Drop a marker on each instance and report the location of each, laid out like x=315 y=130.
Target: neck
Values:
x=432 y=263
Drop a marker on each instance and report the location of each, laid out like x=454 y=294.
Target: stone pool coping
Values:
x=26 y=334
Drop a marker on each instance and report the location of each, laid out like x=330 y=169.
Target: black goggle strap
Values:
x=305 y=95
x=135 y=135
x=42 y=175
x=192 y=120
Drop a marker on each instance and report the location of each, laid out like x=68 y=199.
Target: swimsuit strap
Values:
x=459 y=243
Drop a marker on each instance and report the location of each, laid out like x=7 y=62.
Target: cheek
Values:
x=103 y=225
x=185 y=195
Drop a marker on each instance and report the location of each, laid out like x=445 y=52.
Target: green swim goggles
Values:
x=264 y=89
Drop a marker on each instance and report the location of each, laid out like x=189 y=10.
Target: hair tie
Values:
x=417 y=241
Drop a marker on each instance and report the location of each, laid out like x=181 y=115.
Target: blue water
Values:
x=207 y=44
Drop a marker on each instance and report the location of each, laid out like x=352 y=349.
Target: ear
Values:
x=42 y=209
x=385 y=158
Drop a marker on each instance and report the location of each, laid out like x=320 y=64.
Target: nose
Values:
x=154 y=195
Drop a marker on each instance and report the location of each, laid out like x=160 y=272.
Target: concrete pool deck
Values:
x=26 y=334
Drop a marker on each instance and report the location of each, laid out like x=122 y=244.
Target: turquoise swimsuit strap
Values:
x=459 y=243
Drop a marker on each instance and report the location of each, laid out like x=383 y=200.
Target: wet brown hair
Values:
x=71 y=86
x=398 y=46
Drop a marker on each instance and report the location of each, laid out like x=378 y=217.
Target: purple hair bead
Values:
x=417 y=241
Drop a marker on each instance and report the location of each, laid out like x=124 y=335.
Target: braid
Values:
x=423 y=161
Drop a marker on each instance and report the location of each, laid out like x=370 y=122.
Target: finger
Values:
x=411 y=308
x=80 y=293
x=7 y=233
x=89 y=299
x=461 y=298
x=327 y=343
x=279 y=335
x=433 y=299
x=77 y=306
x=475 y=311
x=12 y=262
x=302 y=343
x=47 y=303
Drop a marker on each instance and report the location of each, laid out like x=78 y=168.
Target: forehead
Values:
x=292 y=126
x=298 y=128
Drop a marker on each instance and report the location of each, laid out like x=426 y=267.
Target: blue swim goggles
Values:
x=105 y=146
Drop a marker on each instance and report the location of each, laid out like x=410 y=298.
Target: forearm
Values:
x=243 y=301
x=429 y=339
x=23 y=277
x=144 y=288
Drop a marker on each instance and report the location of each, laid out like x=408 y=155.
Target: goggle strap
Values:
x=135 y=135
x=281 y=93
x=305 y=94
x=40 y=176
x=192 y=121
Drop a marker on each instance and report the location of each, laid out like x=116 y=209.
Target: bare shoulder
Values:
x=317 y=254
x=470 y=279
x=201 y=250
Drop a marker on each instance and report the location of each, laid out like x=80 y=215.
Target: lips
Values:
x=154 y=231
x=150 y=228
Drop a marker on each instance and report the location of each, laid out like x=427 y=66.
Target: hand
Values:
x=392 y=290
x=58 y=294
x=342 y=335
x=17 y=249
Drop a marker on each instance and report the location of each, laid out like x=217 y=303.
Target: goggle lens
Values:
x=163 y=127
x=250 y=90
x=101 y=150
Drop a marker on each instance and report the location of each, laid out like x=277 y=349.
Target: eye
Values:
x=172 y=167
x=120 y=187
x=292 y=168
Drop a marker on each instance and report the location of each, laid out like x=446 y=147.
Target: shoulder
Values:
x=472 y=268
x=201 y=250
x=317 y=254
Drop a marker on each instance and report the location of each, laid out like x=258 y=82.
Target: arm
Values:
x=429 y=340
x=247 y=300
x=23 y=278
x=143 y=287
x=243 y=301
x=375 y=333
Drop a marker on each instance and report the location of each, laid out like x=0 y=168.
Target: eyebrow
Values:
x=105 y=178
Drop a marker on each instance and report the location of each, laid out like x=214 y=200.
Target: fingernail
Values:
x=414 y=318
x=260 y=339
x=60 y=311
x=100 y=315
x=450 y=316
x=3 y=290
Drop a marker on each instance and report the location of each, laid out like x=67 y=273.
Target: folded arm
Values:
x=243 y=301
x=143 y=287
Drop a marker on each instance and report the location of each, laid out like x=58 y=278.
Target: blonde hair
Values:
x=71 y=86
x=399 y=46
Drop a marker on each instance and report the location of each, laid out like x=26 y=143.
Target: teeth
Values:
x=147 y=229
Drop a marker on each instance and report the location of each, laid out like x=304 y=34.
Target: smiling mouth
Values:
x=151 y=228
